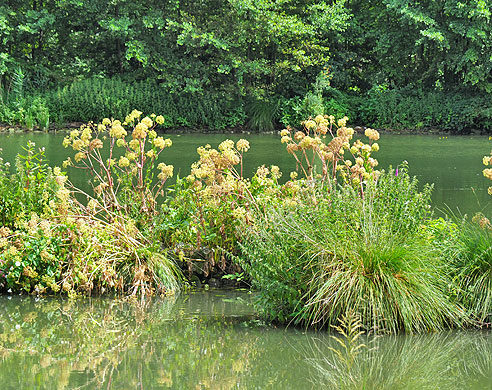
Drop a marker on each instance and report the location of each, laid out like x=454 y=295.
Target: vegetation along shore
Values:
x=338 y=236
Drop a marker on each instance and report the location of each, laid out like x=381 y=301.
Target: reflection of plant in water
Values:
x=350 y=330
x=174 y=343
x=114 y=344
x=447 y=360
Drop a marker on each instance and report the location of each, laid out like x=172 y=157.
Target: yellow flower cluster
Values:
x=79 y=139
x=123 y=162
x=162 y=143
x=131 y=156
x=135 y=114
x=331 y=153
x=117 y=130
x=166 y=171
x=95 y=144
x=147 y=122
x=140 y=131
x=487 y=172
x=226 y=145
x=216 y=168
x=242 y=145
x=212 y=160
x=134 y=144
x=262 y=171
x=80 y=156
x=342 y=122
x=372 y=134
x=86 y=134
x=275 y=171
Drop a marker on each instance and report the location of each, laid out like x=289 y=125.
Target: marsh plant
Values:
x=202 y=217
x=471 y=262
x=124 y=175
x=26 y=187
x=59 y=243
x=313 y=262
x=329 y=142
x=471 y=267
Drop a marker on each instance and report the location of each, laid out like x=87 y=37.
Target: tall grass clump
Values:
x=262 y=114
x=337 y=252
x=472 y=267
x=472 y=264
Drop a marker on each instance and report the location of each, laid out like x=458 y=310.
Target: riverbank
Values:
x=402 y=110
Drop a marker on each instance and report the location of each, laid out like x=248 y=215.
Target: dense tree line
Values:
x=249 y=51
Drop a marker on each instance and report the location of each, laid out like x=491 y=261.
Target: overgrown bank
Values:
x=339 y=236
x=395 y=109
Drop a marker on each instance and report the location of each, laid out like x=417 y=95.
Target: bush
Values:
x=314 y=263
x=200 y=220
x=27 y=190
x=55 y=242
x=471 y=267
x=410 y=109
x=123 y=171
x=95 y=98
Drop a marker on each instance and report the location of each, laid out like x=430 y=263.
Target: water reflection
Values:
x=211 y=340
x=450 y=360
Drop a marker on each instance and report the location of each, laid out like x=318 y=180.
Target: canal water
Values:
x=212 y=340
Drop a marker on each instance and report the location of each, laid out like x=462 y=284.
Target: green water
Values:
x=453 y=164
x=211 y=340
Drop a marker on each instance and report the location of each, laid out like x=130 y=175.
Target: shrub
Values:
x=471 y=267
x=91 y=99
x=83 y=255
x=416 y=109
x=315 y=262
x=28 y=189
x=200 y=219
x=124 y=176
x=59 y=243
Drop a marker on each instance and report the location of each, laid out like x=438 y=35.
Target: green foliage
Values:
x=313 y=263
x=405 y=109
x=50 y=242
x=201 y=218
x=472 y=266
x=206 y=63
x=262 y=115
x=29 y=189
x=96 y=98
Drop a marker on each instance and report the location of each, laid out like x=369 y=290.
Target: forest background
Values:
x=248 y=64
